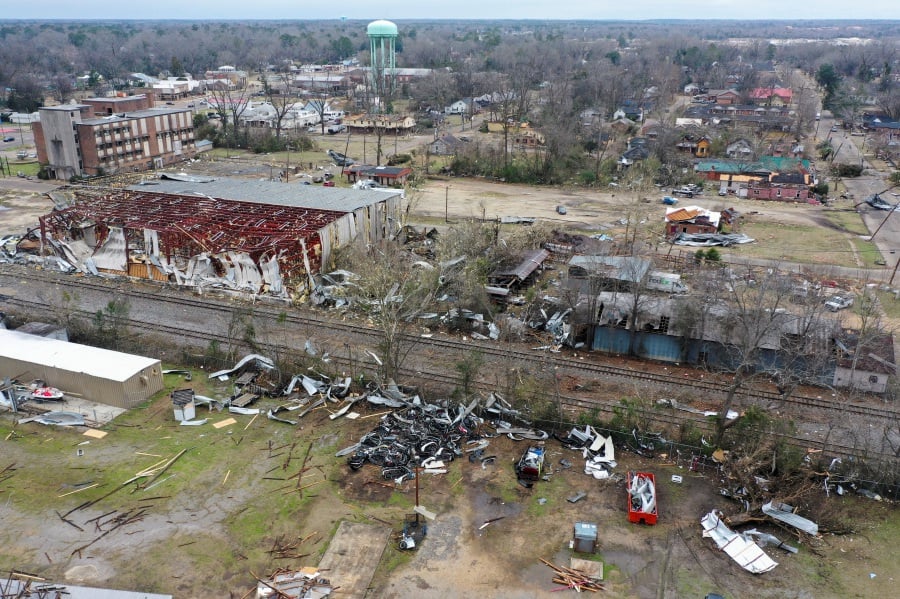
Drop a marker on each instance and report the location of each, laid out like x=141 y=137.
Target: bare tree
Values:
x=279 y=96
x=230 y=103
x=393 y=293
x=755 y=326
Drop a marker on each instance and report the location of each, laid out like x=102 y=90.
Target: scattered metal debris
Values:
x=305 y=583
x=58 y=418
x=258 y=361
x=531 y=465
x=764 y=539
x=740 y=548
x=710 y=239
x=785 y=513
x=642 y=506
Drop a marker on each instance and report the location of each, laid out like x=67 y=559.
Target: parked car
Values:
x=839 y=302
x=9 y=138
x=328 y=183
x=561 y=209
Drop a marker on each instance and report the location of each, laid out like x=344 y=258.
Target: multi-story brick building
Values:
x=72 y=142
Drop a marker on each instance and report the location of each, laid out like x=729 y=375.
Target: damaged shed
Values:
x=254 y=236
x=100 y=375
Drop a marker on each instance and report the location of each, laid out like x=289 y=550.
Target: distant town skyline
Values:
x=793 y=10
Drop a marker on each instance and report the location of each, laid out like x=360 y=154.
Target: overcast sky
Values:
x=458 y=9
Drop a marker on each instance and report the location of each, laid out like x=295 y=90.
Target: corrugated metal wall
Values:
x=128 y=394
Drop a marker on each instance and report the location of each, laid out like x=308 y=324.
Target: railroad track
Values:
x=364 y=335
x=563 y=362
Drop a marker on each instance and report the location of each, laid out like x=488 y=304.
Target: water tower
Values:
x=382 y=37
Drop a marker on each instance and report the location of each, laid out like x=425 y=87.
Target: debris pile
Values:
x=421 y=435
x=573 y=579
x=305 y=583
x=597 y=450
x=642 y=498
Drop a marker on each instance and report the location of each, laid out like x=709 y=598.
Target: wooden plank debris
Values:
x=574 y=579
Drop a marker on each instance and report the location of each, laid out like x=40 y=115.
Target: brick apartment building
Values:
x=72 y=141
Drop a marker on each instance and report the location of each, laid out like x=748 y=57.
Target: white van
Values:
x=666 y=281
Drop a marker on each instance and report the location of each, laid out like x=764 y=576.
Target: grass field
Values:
x=807 y=244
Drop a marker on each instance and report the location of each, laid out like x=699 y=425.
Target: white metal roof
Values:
x=317 y=197
x=93 y=361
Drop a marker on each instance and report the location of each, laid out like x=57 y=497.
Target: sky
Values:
x=458 y=9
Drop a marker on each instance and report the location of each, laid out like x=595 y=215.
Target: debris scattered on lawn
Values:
x=574 y=579
x=489 y=522
x=58 y=418
x=764 y=539
x=293 y=584
x=256 y=360
x=739 y=547
x=785 y=513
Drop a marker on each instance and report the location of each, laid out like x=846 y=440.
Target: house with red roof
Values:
x=772 y=96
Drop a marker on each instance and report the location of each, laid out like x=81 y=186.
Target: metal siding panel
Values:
x=654 y=346
x=612 y=340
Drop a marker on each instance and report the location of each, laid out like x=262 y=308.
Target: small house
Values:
x=740 y=149
x=691 y=220
x=459 y=107
x=864 y=363
x=446 y=145
x=697 y=145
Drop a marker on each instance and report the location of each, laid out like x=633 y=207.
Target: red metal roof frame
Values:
x=189 y=224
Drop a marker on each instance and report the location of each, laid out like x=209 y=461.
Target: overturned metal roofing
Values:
x=738 y=547
x=530 y=262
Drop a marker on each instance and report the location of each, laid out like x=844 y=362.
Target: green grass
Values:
x=393 y=558
x=800 y=243
x=30 y=169
x=868 y=252
x=848 y=220
x=888 y=303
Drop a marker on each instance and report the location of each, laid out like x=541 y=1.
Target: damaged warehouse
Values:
x=251 y=236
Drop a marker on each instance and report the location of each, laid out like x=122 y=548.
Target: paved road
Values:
x=851 y=150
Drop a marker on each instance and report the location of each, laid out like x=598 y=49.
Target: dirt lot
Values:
x=218 y=513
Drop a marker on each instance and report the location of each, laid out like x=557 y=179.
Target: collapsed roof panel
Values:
x=245 y=243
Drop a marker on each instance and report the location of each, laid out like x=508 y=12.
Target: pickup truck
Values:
x=687 y=190
x=839 y=302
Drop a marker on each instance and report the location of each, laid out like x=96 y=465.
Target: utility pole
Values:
x=287 y=169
